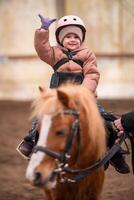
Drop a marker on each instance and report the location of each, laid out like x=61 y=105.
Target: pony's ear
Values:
x=63 y=97
x=41 y=89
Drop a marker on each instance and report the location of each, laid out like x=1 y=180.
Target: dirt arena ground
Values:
x=14 y=122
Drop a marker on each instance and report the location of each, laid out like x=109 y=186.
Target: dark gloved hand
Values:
x=46 y=22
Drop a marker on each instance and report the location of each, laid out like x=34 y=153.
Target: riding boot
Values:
x=118 y=160
x=26 y=145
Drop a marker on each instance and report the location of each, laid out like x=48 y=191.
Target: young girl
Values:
x=70 y=60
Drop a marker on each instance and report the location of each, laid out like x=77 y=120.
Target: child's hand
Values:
x=46 y=22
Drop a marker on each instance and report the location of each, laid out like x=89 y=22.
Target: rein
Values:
x=82 y=173
x=63 y=157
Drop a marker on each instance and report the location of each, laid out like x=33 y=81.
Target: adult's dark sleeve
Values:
x=127 y=121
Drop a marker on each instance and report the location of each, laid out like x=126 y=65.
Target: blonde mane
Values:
x=82 y=100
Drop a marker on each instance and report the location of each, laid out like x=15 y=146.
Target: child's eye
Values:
x=68 y=36
x=76 y=37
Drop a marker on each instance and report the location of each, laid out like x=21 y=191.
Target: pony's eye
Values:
x=60 y=132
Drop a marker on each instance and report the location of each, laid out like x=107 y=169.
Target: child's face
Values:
x=71 y=41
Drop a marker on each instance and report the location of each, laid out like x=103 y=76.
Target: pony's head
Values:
x=71 y=132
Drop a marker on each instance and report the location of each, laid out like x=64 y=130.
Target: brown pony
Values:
x=72 y=137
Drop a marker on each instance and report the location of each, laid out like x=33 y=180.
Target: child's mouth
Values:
x=72 y=44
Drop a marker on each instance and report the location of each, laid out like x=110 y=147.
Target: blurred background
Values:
x=110 y=34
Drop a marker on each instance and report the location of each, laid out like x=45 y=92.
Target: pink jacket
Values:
x=52 y=54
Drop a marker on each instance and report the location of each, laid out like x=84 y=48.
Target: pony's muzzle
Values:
x=40 y=181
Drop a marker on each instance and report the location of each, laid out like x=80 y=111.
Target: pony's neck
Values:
x=84 y=153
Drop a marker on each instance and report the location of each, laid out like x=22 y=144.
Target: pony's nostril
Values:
x=37 y=179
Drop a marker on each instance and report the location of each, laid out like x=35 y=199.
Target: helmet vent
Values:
x=65 y=19
x=74 y=19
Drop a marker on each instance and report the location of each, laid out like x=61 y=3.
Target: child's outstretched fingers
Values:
x=46 y=22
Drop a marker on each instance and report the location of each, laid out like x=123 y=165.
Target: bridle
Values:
x=65 y=155
x=62 y=158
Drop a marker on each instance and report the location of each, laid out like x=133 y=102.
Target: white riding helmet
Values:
x=68 y=24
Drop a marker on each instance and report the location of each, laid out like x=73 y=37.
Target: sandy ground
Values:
x=14 y=122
